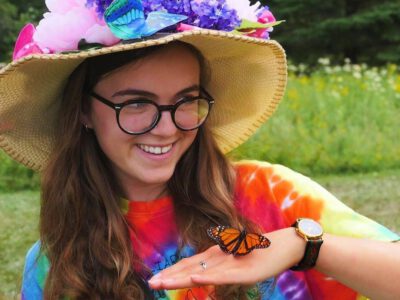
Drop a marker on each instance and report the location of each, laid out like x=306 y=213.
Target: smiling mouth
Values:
x=155 y=150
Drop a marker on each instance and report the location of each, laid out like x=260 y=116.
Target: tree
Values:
x=362 y=30
x=14 y=15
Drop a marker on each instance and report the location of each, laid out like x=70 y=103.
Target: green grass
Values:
x=376 y=195
x=19 y=214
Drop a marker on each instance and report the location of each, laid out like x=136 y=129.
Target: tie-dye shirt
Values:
x=273 y=196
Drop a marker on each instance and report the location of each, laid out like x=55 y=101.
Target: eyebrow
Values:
x=149 y=94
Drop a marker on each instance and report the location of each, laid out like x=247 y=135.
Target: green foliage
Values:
x=364 y=31
x=14 y=15
x=337 y=119
x=15 y=177
x=8 y=13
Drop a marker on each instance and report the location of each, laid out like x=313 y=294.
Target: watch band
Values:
x=310 y=256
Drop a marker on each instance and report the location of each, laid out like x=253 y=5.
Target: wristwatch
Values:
x=312 y=232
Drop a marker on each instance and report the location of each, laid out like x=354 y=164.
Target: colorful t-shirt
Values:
x=273 y=196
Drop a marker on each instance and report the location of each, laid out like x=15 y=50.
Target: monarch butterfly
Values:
x=236 y=242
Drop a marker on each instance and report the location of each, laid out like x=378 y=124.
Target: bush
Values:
x=15 y=177
x=335 y=119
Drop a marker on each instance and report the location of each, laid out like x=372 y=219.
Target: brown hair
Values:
x=82 y=228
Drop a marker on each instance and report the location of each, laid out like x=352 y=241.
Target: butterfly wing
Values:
x=252 y=241
x=158 y=20
x=125 y=18
x=227 y=238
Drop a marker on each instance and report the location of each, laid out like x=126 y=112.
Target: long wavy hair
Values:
x=83 y=230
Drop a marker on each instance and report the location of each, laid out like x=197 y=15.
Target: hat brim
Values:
x=248 y=79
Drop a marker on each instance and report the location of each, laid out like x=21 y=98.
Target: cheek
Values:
x=106 y=128
x=190 y=136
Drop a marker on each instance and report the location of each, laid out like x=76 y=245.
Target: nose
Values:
x=165 y=126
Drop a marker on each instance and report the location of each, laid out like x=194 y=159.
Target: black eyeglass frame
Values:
x=171 y=108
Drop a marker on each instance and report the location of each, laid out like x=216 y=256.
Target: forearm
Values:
x=369 y=267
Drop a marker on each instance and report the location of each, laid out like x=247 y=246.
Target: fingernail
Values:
x=158 y=275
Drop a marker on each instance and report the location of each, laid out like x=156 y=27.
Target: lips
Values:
x=157 y=150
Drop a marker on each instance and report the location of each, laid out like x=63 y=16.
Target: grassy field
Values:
x=19 y=214
x=376 y=195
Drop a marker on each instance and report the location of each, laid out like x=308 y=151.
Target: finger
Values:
x=219 y=273
x=172 y=283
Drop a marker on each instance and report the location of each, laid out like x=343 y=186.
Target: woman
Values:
x=137 y=174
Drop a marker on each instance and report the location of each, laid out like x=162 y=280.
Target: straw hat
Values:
x=248 y=79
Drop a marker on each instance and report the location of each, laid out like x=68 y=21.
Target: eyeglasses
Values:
x=142 y=115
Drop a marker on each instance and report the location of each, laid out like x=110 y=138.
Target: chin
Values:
x=157 y=177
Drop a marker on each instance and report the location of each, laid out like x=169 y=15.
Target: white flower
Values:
x=244 y=9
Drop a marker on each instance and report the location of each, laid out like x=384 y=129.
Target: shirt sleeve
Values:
x=299 y=196
x=274 y=196
x=35 y=271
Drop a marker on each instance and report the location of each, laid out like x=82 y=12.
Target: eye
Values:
x=138 y=107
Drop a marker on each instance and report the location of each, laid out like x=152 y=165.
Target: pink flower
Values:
x=185 y=27
x=61 y=7
x=100 y=34
x=25 y=44
x=265 y=16
x=67 y=23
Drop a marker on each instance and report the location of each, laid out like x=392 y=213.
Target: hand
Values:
x=286 y=250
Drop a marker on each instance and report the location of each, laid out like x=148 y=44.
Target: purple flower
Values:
x=100 y=5
x=210 y=14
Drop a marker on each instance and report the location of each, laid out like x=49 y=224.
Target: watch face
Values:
x=310 y=228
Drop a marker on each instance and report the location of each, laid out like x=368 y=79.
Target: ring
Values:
x=203 y=264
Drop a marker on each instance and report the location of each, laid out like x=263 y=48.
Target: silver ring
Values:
x=203 y=264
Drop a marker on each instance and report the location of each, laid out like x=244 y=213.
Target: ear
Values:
x=86 y=120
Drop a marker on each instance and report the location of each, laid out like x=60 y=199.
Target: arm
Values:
x=369 y=267
x=267 y=190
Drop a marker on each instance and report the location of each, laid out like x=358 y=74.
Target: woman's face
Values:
x=163 y=77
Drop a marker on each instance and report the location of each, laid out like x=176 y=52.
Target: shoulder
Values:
x=275 y=176
x=255 y=194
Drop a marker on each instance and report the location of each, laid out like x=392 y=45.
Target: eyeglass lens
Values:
x=141 y=117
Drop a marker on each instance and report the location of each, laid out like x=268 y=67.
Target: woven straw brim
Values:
x=248 y=79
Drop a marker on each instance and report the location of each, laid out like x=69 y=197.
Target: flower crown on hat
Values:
x=70 y=24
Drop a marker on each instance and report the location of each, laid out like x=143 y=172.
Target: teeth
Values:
x=155 y=150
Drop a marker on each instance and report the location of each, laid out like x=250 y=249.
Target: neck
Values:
x=145 y=193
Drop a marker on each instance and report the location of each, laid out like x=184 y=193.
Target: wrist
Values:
x=289 y=244
x=311 y=232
